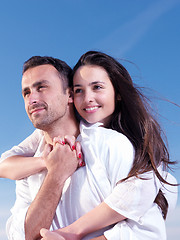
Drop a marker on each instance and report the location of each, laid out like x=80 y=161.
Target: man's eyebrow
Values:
x=40 y=83
x=36 y=84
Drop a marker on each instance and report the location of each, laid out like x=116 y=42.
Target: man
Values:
x=49 y=105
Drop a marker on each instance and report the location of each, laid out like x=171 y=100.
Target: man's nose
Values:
x=33 y=98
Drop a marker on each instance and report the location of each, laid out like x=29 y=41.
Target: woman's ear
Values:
x=118 y=97
x=71 y=96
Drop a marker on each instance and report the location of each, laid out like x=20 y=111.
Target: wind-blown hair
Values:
x=132 y=117
x=63 y=69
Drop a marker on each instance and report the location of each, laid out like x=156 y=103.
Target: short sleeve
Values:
x=170 y=192
x=120 y=158
x=133 y=197
x=26 y=148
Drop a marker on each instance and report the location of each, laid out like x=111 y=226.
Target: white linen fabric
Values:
x=26 y=148
x=109 y=157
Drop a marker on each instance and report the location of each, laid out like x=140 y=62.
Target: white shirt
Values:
x=109 y=156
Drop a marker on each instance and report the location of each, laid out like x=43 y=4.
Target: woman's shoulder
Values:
x=113 y=136
x=97 y=133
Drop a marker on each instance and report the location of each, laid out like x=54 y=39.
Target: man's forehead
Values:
x=40 y=73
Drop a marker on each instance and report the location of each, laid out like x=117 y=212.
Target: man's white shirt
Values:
x=109 y=157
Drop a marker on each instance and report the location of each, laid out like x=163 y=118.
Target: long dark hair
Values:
x=133 y=118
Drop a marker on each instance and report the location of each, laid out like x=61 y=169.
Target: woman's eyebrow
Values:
x=92 y=83
x=77 y=85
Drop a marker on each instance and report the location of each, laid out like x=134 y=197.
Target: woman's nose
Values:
x=88 y=96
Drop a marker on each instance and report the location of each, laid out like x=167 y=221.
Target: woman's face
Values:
x=94 y=95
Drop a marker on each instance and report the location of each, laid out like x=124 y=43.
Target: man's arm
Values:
x=61 y=162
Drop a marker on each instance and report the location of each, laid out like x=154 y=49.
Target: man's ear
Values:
x=71 y=96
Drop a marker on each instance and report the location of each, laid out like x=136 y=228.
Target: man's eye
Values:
x=25 y=93
x=40 y=87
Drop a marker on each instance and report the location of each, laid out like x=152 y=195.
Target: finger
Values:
x=78 y=150
x=43 y=232
x=47 y=150
x=58 y=140
x=79 y=154
x=71 y=140
x=48 y=235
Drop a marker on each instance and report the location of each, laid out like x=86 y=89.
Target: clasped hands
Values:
x=63 y=157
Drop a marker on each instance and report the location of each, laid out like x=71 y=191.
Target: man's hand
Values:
x=61 y=161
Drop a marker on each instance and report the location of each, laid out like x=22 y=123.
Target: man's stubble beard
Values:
x=47 y=121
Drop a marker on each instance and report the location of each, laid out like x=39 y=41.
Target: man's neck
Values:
x=66 y=126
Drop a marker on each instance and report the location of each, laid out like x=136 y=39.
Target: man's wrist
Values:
x=55 y=179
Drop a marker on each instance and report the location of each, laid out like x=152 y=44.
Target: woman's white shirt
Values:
x=109 y=157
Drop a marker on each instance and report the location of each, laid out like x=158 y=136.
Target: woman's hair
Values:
x=63 y=69
x=132 y=117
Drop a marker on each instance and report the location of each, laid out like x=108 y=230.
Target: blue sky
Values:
x=146 y=33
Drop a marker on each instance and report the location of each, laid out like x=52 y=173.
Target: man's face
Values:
x=44 y=98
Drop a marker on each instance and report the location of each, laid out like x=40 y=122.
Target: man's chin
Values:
x=37 y=125
x=41 y=126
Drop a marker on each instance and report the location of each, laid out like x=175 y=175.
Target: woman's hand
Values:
x=74 y=145
x=61 y=162
x=63 y=157
x=60 y=234
x=48 y=235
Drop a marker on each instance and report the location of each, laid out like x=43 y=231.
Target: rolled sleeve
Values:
x=26 y=148
x=15 y=224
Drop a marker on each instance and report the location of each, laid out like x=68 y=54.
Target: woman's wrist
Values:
x=79 y=228
x=70 y=232
x=41 y=163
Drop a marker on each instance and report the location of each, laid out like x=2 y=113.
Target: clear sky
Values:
x=144 y=35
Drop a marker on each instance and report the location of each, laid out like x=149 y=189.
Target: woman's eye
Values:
x=78 y=90
x=97 y=87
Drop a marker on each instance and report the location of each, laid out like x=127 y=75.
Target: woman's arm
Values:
x=18 y=167
x=18 y=162
x=48 y=235
x=15 y=166
x=98 y=218
x=122 y=200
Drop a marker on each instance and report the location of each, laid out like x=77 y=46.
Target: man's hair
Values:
x=63 y=69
